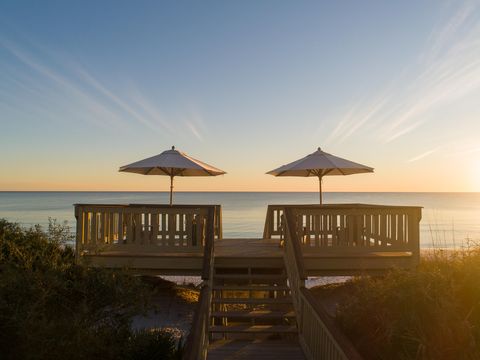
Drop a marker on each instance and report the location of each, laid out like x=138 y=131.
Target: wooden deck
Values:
x=298 y=241
x=253 y=253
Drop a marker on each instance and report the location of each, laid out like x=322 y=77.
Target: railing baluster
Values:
x=93 y=228
x=146 y=228
x=129 y=219
x=102 y=225
x=137 y=221
x=154 y=232
x=400 y=233
x=120 y=227
x=355 y=227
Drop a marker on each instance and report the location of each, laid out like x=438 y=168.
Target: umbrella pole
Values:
x=320 y=188
x=171 y=190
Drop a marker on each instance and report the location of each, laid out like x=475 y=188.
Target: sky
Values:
x=246 y=86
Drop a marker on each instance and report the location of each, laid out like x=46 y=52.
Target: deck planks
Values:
x=254 y=253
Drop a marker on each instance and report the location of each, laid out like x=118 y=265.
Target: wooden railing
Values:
x=350 y=227
x=319 y=336
x=144 y=228
x=293 y=260
x=196 y=346
x=273 y=222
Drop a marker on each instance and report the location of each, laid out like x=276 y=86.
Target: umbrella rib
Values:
x=149 y=171
x=176 y=173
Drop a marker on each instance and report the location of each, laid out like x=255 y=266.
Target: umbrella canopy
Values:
x=172 y=163
x=320 y=164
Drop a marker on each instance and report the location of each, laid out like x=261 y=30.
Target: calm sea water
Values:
x=449 y=219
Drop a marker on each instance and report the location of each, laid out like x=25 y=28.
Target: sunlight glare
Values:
x=475 y=171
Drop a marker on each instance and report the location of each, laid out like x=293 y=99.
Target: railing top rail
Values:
x=345 y=344
x=182 y=206
x=346 y=206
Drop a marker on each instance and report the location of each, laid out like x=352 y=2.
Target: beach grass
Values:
x=53 y=308
x=430 y=313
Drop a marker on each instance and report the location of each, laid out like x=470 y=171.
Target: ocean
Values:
x=450 y=220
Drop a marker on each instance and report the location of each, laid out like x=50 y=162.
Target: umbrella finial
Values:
x=173 y=147
x=319 y=149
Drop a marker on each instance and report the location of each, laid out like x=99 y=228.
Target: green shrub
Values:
x=52 y=308
x=431 y=313
x=150 y=344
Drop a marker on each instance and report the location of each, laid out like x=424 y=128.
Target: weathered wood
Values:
x=318 y=336
x=196 y=344
x=360 y=227
x=295 y=245
x=93 y=229
x=207 y=271
x=79 y=216
x=326 y=240
x=191 y=263
x=155 y=229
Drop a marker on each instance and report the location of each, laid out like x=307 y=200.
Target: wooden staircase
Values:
x=252 y=315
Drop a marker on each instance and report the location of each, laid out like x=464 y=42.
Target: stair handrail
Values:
x=319 y=336
x=293 y=259
x=196 y=345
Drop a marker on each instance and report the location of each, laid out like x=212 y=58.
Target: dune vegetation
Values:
x=431 y=313
x=53 y=308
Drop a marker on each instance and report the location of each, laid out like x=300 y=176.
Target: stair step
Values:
x=254 y=329
x=255 y=314
x=250 y=276
x=250 y=288
x=280 y=300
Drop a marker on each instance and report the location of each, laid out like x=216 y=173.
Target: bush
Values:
x=431 y=313
x=148 y=344
x=52 y=308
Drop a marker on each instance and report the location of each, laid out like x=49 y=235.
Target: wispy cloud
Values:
x=151 y=110
x=194 y=130
x=117 y=100
x=448 y=70
x=99 y=104
x=195 y=124
x=423 y=155
x=94 y=107
x=354 y=120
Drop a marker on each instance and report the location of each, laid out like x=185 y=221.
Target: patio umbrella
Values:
x=172 y=163
x=320 y=164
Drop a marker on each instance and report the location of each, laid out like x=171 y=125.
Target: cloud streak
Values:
x=98 y=104
x=122 y=104
x=96 y=109
x=195 y=125
x=423 y=155
x=449 y=70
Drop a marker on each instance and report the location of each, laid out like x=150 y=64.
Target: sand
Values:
x=173 y=309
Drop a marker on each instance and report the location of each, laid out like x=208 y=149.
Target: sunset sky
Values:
x=89 y=86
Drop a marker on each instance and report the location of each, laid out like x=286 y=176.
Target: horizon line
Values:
x=231 y=191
